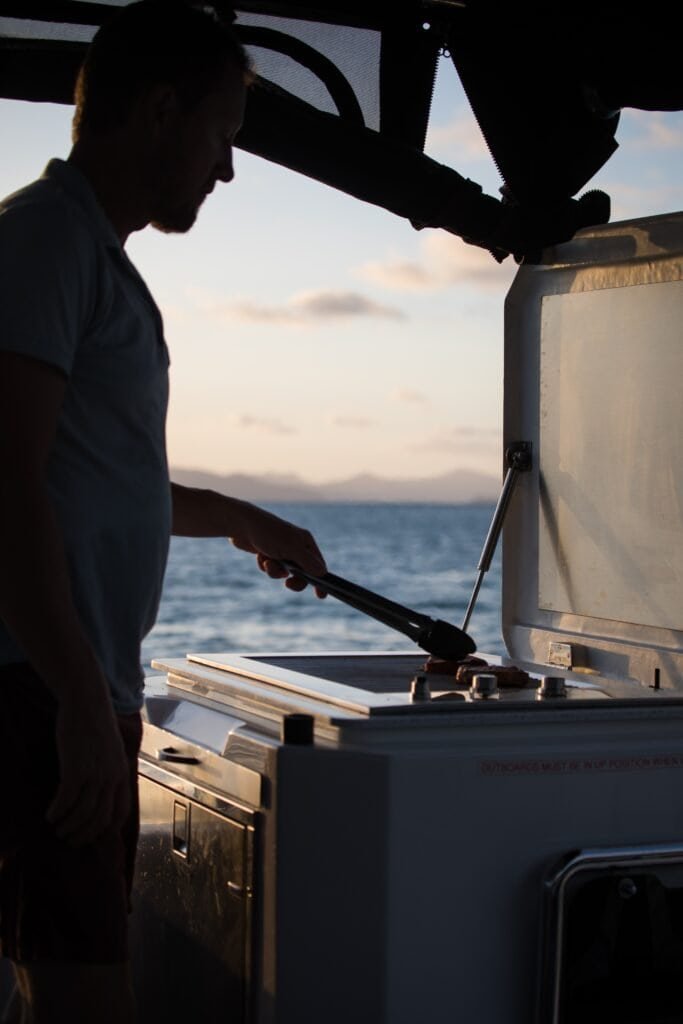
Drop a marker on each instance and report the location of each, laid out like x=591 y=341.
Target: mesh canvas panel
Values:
x=351 y=54
x=22 y=28
x=355 y=52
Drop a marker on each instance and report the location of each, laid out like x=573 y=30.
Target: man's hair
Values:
x=152 y=42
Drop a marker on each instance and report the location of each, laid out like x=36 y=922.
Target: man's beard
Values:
x=175 y=221
x=172 y=216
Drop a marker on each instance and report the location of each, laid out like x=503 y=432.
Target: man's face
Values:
x=194 y=151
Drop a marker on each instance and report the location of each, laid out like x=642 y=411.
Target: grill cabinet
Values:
x=319 y=846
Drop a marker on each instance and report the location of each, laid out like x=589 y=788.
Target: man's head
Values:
x=148 y=43
x=168 y=79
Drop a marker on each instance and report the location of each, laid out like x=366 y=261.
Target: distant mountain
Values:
x=460 y=486
x=269 y=487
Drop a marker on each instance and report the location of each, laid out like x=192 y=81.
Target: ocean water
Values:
x=422 y=556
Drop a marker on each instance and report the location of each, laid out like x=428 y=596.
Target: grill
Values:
x=400 y=843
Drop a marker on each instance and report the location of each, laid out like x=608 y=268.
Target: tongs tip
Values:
x=443 y=640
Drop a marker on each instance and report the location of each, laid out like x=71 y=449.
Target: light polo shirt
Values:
x=70 y=297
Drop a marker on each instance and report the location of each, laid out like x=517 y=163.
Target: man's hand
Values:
x=204 y=513
x=93 y=793
x=274 y=540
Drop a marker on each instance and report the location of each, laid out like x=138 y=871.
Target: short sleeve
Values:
x=47 y=265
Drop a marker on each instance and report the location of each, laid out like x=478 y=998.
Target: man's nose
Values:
x=225 y=170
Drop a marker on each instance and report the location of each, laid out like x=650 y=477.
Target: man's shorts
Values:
x=57 y=902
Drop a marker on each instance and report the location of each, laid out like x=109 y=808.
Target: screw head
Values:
x=484 y=685
x=627 y=888
x=419 y=689
x=551 y=686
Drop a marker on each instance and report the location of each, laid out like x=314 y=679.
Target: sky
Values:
x=316 y=335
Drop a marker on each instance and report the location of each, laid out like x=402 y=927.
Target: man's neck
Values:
x=115 y=184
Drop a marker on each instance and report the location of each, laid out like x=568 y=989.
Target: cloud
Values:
x=353 y=422
x=308 y=307
x=460 y=439
x=326 y=304
x=265 y=425
x=410 y=395
x=398 y=275
x=446 y=261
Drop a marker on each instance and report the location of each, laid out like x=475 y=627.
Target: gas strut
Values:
x=518 y=460
x=433 y=635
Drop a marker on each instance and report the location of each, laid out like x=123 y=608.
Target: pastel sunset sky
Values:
x=314 y=334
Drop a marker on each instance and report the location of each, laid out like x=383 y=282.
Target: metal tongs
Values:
x=433 y=635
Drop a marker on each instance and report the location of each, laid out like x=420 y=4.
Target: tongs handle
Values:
x=433 y=635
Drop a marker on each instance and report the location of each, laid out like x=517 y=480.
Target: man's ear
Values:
x=158 y=106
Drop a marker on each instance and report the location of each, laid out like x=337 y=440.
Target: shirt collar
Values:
x=69 y=178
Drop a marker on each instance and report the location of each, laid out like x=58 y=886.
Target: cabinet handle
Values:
x=171 y=754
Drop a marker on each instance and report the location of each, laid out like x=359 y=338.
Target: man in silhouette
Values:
x=87 y=507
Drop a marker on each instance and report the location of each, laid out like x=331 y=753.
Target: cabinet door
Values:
x=192 y=910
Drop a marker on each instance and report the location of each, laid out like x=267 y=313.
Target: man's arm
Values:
x=36 y=606
x=203 y=513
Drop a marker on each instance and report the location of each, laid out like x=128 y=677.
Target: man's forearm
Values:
x=204 y=513
x=200 y=513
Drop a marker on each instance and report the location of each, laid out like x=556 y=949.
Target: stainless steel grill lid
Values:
x=593 y=542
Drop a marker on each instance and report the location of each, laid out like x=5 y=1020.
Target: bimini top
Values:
x=343 y=95
x=344 y=87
